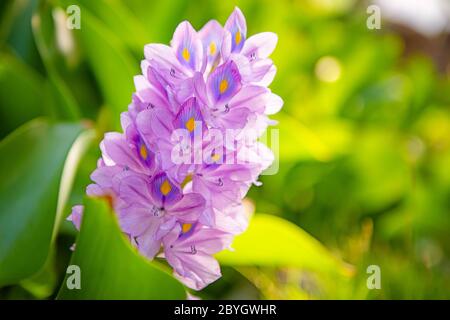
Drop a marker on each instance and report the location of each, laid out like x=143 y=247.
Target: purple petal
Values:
x=237 y=26
x=191 y=256
x=199 y=87
x=154 y=124
x=163 y=191
x=134 y=189
x=189 y=208
x=224 y=82
x=148 y=243
x=260 y=46
x=163 y=59
x=189 y=116
x=134 y=220
x=76 y=216
x=103 y=176
x=117 y=149
x=212 y=35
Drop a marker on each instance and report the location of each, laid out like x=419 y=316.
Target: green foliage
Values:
x=31 y=166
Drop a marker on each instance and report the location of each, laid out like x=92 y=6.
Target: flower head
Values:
x=176 y=177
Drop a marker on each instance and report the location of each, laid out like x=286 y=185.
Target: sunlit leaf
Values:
x=15 y=107
x=31 y=165
x=274 y=242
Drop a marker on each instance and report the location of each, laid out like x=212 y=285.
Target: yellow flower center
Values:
x=215 y=157
x=190 y=124
x=212 y=48
x=143 y=152
x=165 y=187
x=238 y=37
x=186 y=55
x=223 y=86
x=185 y=227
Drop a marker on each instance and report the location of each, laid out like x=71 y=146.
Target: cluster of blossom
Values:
x=200 y=87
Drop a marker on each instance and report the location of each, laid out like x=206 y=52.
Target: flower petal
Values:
x=163 y=191
x=224 y=82
x=237 y=26
x=187 y=46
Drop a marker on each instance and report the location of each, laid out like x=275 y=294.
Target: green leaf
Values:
x=113 y=66
x=63 y=103
x=16 y=108
x=110 y=267
x=119 y=19
x=33 y=159
x=271 y=241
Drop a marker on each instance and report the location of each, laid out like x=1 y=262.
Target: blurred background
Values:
x=364 y=154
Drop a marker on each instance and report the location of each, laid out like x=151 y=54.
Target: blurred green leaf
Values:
x=120 y=20
x=113 y=66
x=31 y=165
x=44 y=283
x=110 y=267
x=298 y=142
x=275 y=242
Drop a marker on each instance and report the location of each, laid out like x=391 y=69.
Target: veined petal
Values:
x=251 y=97
x=212 y=35
x=121 y=152
x=189 y=208
x=225 y=50
x=237 y=26
x=224 y=82
x=163 y=59
x=134 y=220
x=264 y=72
x=199 y=87
x=134 y=189
x=148 y=243
x=154 y=124
x=163 y=191
x=187 y=46
x=191 y=256
x=260 y=45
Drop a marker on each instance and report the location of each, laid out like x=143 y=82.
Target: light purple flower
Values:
x=189 y=250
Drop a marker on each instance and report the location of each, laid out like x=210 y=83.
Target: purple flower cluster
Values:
x=177 y=174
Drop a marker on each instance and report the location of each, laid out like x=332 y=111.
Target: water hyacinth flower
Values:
x=176 y=177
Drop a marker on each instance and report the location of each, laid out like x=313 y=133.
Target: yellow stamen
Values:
x=186 y=227
x=165 y=187
x=223 y=86
x=143 y=152
x=212 y=48
x=215 y=157
x=186 y=55
x=190 y=124
x=238 y=37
